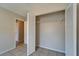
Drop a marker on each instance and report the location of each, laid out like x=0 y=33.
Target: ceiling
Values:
x=35 y=8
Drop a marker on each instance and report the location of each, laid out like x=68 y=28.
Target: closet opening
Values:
x=50 y=33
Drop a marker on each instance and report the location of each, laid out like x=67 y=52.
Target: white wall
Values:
x=30 y=33
x=52 y=31
x=78 y=29
x=70 y=30
x=7 y=30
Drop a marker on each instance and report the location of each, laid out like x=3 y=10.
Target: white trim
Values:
x=75 y=28
x=17 y=32
x=7 y=50
x=25 y=32
x=53 y=49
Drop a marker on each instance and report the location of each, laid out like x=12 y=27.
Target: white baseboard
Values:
x=7 y=50
x=53 y=49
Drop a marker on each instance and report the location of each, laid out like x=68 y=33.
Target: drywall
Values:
x=30 y=33
x=52 y=31
x=70 y=30
x=7 y=30
x=78 y=28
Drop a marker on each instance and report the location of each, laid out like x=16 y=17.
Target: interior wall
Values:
x=30 y=33
x=78 y=29
x=50 y=32
x=7 y=30
x=71 y=30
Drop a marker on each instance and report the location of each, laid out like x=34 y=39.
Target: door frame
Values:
x=16 y=34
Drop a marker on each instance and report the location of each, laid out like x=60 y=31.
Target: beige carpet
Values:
x=21 y=50
x=46 y=52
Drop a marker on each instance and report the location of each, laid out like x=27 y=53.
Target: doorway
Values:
x=50 y=33
x=20 y=32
